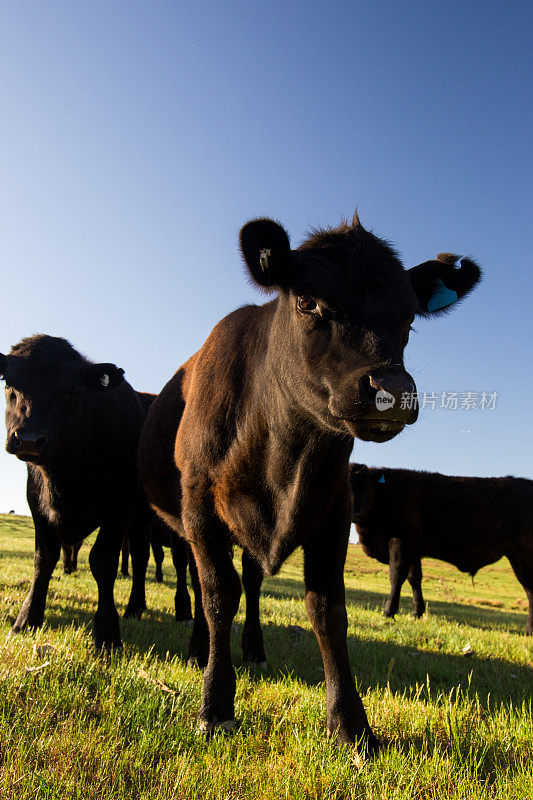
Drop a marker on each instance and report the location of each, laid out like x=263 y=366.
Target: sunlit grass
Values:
x=73 y=725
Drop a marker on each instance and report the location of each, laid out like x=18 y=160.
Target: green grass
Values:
x=73 y=725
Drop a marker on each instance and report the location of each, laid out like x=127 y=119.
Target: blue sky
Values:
x=137 y=138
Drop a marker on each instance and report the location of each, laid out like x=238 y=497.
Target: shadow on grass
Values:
x=294 y=652
x=482 y=618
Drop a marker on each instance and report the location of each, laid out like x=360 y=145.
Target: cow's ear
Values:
x=102 y=377
x=3 y=364
x=359 y=474
x=266 y=250
x=358 y=468
x=439 y=283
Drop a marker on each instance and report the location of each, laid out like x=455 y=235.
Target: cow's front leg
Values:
x=103 y=560
x=253 y=649
x=46 y=556
x=221 y=589
x=324 y=558
x=414 y=576
x=398 y=569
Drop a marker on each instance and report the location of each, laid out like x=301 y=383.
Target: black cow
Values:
x=152 y=529
x=77 y=425
x=403 y=516
x=250 y=440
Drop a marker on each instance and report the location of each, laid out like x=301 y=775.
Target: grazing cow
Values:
x=249 y=442
x=77 y=425
x=403 y=515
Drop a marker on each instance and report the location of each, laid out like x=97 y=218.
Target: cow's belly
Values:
x=471 y=560
x=71 y=523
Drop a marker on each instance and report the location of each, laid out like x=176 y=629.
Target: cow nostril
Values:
x=16 y=444
x=368 y=387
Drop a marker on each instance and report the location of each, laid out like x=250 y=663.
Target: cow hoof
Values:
x=370 y=746
x=196 y=662
x=255 y=667
x=209 y=728
x=134 y=613
x=187 y=619
x=108 y=649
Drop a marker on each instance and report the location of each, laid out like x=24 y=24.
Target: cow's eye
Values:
x=308 y=304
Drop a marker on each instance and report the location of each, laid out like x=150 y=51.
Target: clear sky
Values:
x=137 y=137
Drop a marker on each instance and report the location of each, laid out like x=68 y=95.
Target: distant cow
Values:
x=77 y=426
x=69 y=557
x=249 y=442
x=402 y=516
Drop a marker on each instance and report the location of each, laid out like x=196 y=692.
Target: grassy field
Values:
x=73 y=725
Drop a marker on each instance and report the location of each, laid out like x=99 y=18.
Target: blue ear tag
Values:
x=381 y=479
x=441 y=297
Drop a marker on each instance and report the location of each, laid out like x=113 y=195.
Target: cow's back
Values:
x=157 y=468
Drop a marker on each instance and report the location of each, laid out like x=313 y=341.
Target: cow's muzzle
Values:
x=28 y=445
x=385 y=402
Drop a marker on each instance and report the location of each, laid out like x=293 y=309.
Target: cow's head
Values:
x=370 y=503
x=364 y=484
x=48 y=384
x=343 y=317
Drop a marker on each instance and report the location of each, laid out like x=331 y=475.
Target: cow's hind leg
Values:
x=103 y=560
x=69 y=556
x=414 y=576
x=159 y=555
x=47 y=549
x=253 y=649
x=324 y=557
x=139 y=547
x=180 y=559
x=125 y=554
x=398 y=569
x=199 y=641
